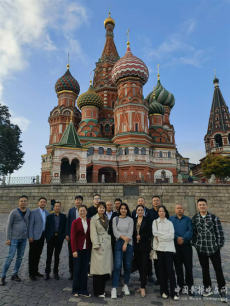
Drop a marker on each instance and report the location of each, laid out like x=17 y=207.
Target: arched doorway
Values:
x=69 y=172
x=107 y=175
x=89 y=174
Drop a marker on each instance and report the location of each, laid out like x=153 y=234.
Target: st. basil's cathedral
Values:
x=114 y=134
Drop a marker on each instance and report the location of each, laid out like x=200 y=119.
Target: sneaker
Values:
x=207 y=292
x=164 y=296
x=125 y=289
x=47 y=276
x=16 y=278
x=88 y=295
x=3 y=281
x=223 y=297
x=102 y=295
x=151 y=279
x=114 y=293
x=176 y=298
x=39 y=274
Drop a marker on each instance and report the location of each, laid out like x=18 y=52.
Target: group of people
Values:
x=102 y=241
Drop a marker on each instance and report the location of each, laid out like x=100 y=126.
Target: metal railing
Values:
x=19 y=180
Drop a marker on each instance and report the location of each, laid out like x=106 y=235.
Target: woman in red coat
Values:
x=81 y=248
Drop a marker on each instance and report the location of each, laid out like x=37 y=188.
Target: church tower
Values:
x=217 y=139
x=103 y=83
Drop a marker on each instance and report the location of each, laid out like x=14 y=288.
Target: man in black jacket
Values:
x=153 y=215
x=55 y=235
x=117 y=204
x=73 y=214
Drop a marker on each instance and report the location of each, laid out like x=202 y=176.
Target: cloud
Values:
x=22 y=122
x=176 y=49
x=26 y=24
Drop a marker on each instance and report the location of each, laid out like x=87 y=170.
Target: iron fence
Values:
x=19 y=180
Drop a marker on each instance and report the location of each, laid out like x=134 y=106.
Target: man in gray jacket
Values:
x=37 y=237
x=16 y=237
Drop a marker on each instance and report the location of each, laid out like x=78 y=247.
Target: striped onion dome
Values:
x=90 y=98
x=155 y=107
x=162 y=96
x=67 y=82
x=130 y=65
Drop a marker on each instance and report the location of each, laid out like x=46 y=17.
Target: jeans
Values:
x=118 y=259
x=18 y=245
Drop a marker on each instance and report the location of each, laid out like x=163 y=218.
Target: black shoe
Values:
x=70 y=276
x=47 y=276
x=39 y=274
x=207 y=292
x=223 y=297
x=16 y=278
x=32 y=277
x=3 y=281
x=157 y=282
x=151 y=279
x=56 y=276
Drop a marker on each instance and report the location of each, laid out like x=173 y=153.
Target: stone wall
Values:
x=218 y=196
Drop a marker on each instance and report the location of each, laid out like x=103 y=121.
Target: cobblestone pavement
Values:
x=55 y=292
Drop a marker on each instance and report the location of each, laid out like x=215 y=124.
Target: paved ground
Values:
x=55 y=292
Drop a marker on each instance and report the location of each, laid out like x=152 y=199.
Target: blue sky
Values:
x=188 y=38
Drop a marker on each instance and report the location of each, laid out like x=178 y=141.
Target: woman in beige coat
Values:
x=101 y=257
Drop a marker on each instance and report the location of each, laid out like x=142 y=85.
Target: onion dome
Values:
x=162 y=96
x=130 y=66
x=67 y=82
x=90 y=98
x=109 y=20
x=155 y=107
x=216 y=80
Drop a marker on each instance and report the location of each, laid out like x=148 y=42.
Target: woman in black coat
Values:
x=142 y=245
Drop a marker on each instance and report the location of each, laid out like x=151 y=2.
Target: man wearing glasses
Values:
x=92 y=211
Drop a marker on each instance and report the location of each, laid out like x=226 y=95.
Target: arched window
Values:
x=183 y=163
x=136 y=151
x=136 y=127
x=218 y=140
x=109 y=151
x=90 y=151
x=113 y=104
x=67 y=102
x=143 y=151
x=101 y=151
x=107 y=128
x=113 y=129
x=169 y=154
x=160 y=154
x=126 y=151
x=120 y=151
x=101 y=128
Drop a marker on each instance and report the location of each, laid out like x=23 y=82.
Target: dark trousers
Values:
x=142 y=259
x=216 y=262
x=156 y=268
x=35 y=252
x=182 y=257
x=54 y=245
x=150 y=267
x=80 y=272
x=99 y=282
x=70 y=257
x=165 y=265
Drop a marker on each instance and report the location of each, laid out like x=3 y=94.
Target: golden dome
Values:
x=109 y=20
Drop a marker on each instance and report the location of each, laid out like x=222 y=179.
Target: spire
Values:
x=128 y=42
x=219 y=111
x=158 y=75
x=68 y=63
x=70 y=137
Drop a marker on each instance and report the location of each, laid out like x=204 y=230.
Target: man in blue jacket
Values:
x=73 y=214
x=183 y=256
x=55 y=235
x=37 y=237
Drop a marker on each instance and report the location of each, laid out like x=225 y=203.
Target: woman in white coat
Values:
x=163 y=244
x=101 y=256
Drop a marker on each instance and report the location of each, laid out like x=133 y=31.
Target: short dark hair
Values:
x=141 y=198
x=23 y=196
x=83 y=205
x=156 y=197
x=57 y=202
x=118 y=199
x=43 y=198
x=79 y=197
x=96 y=195
x=139 y=206
x=162 y=206
x=127 y=208
x=202 y=200
x=101 y=203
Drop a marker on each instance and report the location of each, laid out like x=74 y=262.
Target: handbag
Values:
x=154 y=244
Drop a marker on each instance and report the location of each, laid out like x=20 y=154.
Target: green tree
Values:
x=218 y=165
x=11 y=155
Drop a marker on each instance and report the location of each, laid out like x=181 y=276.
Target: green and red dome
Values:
x=90 y=98
x=67 y=82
